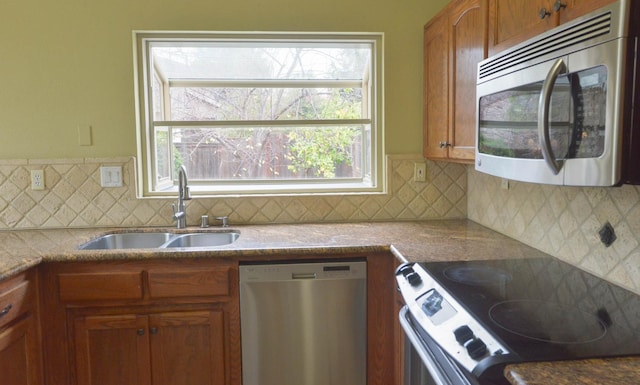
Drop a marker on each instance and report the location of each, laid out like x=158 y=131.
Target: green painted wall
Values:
x=69 y=63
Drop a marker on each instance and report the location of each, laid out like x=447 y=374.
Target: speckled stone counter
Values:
x=412 y=241
x=408 y=241
x=619 y=371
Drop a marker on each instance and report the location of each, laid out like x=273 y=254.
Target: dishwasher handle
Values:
x=303 y=275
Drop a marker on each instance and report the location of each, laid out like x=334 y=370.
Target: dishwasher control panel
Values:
x=293 y=271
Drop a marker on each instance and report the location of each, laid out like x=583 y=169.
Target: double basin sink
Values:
x=160 y=240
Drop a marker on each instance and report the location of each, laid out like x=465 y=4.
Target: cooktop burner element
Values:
x=547 y=321
x=477 y=275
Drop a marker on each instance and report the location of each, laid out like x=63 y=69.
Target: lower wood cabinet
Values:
x=162 y=322
x=184 y=348
x=20 y=354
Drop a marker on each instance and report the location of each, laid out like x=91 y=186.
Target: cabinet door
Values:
x=112 y=349
x=187 y=348
x=19 y=358
x=514 y=21
x=436 y=87
x=467 y=49
x=577 y=8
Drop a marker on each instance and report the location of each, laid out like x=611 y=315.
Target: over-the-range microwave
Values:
x=563 y=108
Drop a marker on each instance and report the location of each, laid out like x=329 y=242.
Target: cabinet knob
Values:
x=558 y=5
x=544 y=13
x=140 y=332
x=6 y=310
x=153 y=330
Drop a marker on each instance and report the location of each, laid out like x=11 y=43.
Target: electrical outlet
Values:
x=420 y=172
x=37 y=179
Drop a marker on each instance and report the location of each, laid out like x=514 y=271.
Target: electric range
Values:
x=486 y=314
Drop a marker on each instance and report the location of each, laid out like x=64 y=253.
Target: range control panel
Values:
x=454 y=329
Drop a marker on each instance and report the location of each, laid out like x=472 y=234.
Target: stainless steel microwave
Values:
x=562 y=108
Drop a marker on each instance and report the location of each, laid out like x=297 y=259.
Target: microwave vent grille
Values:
x=555 y=41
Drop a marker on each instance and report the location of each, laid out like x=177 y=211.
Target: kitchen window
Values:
x=259 y=113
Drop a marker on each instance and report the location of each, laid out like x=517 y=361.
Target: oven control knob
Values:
x=463 y=334
x=405 y=270
x=414 y=279
x=476 y=348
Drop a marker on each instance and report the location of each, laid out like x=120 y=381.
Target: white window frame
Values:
x=372 y=182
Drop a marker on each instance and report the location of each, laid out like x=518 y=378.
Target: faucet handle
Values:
x=224 y=220
x=187 y=193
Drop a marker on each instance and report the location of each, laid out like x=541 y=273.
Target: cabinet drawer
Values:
x=100 y=286
x=16 y=297
x=189 y=283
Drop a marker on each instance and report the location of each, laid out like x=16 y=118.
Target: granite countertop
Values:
x=409 y=241
x=612 y=371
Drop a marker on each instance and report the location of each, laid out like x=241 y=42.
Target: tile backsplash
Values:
x=561 y=221
x=565 y=222
x=73 y=197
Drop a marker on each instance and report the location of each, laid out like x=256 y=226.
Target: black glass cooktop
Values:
x=545 y=309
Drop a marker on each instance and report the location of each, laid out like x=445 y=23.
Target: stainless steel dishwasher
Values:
x=303 y=323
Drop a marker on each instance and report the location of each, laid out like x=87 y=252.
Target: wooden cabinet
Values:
x=182 y=348
x=146 y=322
x=20 y=354
x=436 y=87
x=514 y=21
x=577 y=8
x=454 y=43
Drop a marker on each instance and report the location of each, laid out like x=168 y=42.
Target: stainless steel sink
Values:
x=128 y=241
x=155 y=240
x=203 y=239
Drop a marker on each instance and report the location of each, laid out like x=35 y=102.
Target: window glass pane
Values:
x=200 y=103
x=162 y=154
x=271 y=153
x=261 y=60
x=156 y=89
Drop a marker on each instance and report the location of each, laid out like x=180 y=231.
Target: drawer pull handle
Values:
x=6 y=310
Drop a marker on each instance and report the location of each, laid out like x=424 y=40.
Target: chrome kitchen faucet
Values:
x=180 y=213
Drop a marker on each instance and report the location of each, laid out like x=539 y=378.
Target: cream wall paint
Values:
x=69 y=63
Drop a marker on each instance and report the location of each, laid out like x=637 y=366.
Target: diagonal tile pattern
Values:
x=74 y=198
x=564 y=222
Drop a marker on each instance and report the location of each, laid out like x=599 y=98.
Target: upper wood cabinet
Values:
x=454 y=43
x=436 y=87
x=514 y=21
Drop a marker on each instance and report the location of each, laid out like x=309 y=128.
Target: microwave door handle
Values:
x=543 y=116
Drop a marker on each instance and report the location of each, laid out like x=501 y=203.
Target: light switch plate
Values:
x=84 y=135
x=111 y=176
